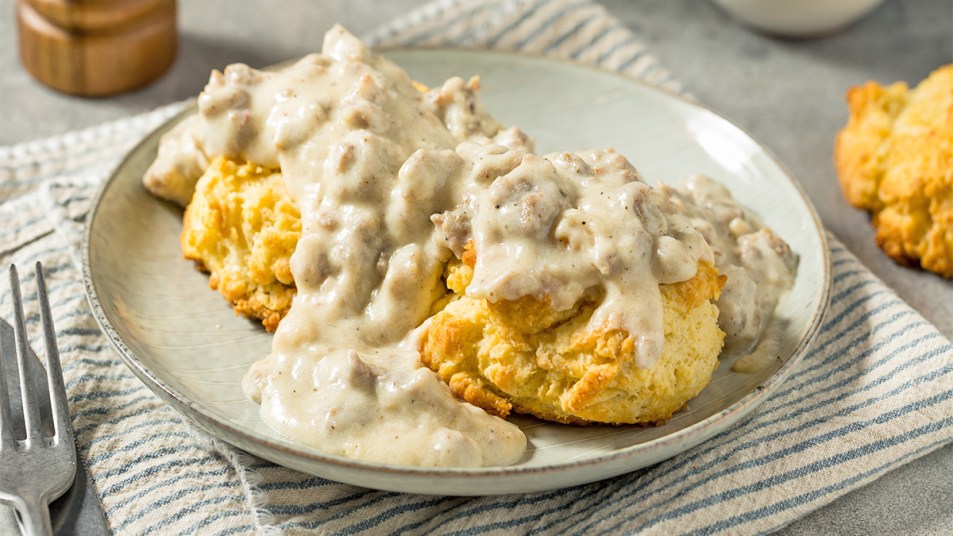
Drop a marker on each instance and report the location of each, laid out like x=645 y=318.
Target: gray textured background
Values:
x=788 y=94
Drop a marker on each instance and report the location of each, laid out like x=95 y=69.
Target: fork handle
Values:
x=35 y=516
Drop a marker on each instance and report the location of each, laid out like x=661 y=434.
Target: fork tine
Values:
x=31 y=414
x=54 y=373
x=7 y=440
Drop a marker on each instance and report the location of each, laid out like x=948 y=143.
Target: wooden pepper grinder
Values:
x=96 y=47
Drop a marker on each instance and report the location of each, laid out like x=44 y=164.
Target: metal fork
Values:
x=34 y=469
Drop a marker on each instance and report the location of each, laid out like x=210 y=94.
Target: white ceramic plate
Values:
x=184 y=342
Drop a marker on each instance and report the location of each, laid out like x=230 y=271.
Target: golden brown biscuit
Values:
x=895 y=159
x=508 y=356
x=524 y=356
x=242 y=227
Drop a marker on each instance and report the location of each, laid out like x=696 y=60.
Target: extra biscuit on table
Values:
x=894 y=159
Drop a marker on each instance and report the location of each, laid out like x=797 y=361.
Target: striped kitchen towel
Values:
x=874 y=392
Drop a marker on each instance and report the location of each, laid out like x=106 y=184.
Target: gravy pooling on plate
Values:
x=391 y=182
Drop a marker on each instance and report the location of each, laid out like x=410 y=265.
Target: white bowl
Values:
x=798 y=18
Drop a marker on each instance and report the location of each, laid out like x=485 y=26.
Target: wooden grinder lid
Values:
x=96 y=47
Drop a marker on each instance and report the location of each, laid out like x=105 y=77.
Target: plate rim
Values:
x=691 y=435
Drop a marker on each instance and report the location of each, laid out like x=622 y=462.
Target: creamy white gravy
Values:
x=763 y=354
x=760 y=265
x=390 y=182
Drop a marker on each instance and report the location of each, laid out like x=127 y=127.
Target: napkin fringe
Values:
x=265 y=521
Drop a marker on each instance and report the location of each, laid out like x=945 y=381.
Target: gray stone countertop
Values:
x=788 y=94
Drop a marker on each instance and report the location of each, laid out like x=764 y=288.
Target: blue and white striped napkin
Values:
x=875 y=391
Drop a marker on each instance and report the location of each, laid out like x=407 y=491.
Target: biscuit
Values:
x=242 y=227
x=525 y=357
x=894 y=158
